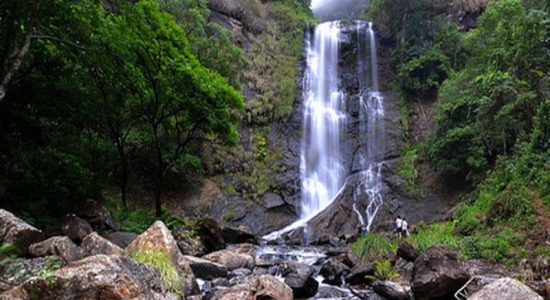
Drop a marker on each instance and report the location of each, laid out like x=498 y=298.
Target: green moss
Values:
x=160 y=260
x=408 y=167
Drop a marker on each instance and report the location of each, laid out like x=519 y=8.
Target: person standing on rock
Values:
x=404 y=228
x=398 y=226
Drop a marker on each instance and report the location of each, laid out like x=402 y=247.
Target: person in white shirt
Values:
x=404 y=228
x=398 y=226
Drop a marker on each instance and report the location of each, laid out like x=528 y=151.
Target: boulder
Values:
x=272 y=200
x=61 y=246
x=98 y=215
x=17 y=271
x=333 y=270
x=438 y=273
x=211 y=235
x=261 y=287
x=234 y=258
x=239 y=273
x=16 y=231
x=237 y=236
x=300 y=279
x=188 y=244
x=390 y=290
x=94 y=244
x=205 y=269
x=159 y=238
x=407 y=251
x=16 y=293
x=121 y=238
x=101 y=277
x=357 y=274
x=75 y=228
x=505 y=288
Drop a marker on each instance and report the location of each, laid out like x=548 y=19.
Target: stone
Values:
x=272 y=200
x=220 y=282
x=159 y=238
x=205 y=269
x=261 y=287
x=242 y=272
x=102 y=277
x=333 y=270
x=237 y=236
x=188 y=244
x=17 y=271
x=234 y=258
x=300 y=279
x=61 y=246
x=358 y=273
x=438 y=273
x=210 y=234
x=16 y=293
x=390 y=290
x=407 y=251
x=75 y=228
x=16 y=231
x=121 y=238
x=505 y=288
x=98 y=215
x=94 y=244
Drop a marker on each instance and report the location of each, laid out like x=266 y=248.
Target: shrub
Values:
x=374 y=246
x=383 y=270
x=160 y=260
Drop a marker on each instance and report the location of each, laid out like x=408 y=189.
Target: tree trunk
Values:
x=124 y=182
x=158 y=192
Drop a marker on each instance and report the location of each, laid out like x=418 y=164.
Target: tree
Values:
x=176 y=98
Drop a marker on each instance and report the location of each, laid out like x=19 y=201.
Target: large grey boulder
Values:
x=60 y=246
x=121 y=238
x=100 y=277
x=505 y=288
x=98 y=215
x=206 y=269
x=159 y=238
x=333 y=270
x=94 y=244
x=261 y=287
x=438 y=273
x=75 y=228
x=16 y=231
x=390 y=290
x=188 y=243
x=300 y=279
x=240 y=256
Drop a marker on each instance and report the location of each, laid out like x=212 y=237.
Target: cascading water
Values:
x=322 y=170
x=371 y=117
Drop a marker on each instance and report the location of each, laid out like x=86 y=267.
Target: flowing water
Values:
x=323 y=168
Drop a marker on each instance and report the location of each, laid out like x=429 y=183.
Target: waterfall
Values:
x=371 y=116
x=322 y=171
x=323 y=168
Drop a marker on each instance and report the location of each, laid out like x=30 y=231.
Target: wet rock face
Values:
x=300 y=279
x=16 y=231
x=438 y=273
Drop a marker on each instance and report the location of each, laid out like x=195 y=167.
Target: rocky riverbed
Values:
x=228 y=263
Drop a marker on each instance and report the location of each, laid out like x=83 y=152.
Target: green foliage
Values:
x=161 y=261
x=383 y=270
x=422 y=76
x=434 y=234
x=374 y=246
x=8 y=251
x=408 y=167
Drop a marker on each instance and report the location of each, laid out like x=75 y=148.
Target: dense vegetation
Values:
x=141 y=96
x=490 y=84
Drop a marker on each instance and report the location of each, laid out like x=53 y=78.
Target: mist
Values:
x=327 y=10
